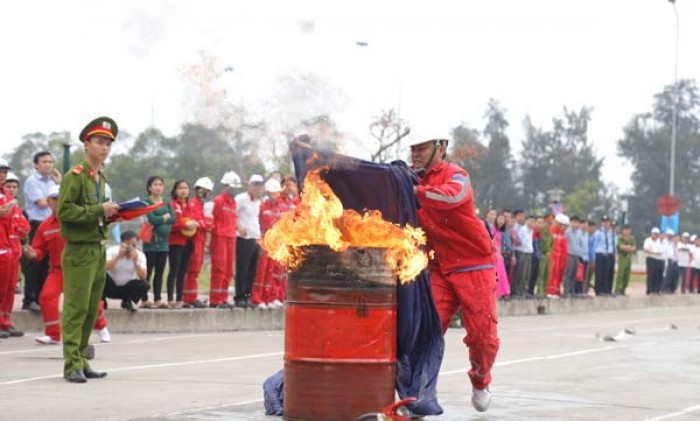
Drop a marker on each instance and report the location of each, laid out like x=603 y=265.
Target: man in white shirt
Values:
x=247 y=237
x=36 y=192
x=684 y=257
x=524 y=250
x=670 y=281
x=694 y=281
x=655 y=261
x=126 y=271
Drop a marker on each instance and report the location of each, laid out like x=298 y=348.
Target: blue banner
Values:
x=670 y=222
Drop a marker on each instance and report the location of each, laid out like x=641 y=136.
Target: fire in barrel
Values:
x=340 y=339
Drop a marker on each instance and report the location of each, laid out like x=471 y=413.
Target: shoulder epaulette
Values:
x=78 y=170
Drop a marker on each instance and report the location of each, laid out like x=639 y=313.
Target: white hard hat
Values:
x=655 y=230
x=562 y=219
x=417 y=136
x=205 y=183
x=693 y=237
x=273 y=186
x=669 y=231
x=4 y=164
x=231 y=179
x=256 y=178
x=686 y=235
x=11 y=177
x=53 y=191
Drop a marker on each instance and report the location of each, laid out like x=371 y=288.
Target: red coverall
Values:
x=197 y=258
x=462 y=273
x=560 y=253
x=13 y=227
x=270 y=277
x=48 y=240
x=222 y=247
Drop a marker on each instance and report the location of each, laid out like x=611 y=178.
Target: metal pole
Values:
x=674 y=123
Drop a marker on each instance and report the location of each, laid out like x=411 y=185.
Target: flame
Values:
x=321 y=219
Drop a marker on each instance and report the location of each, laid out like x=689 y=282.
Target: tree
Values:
x=468 y=152
x=559 y=159
x=646 y=145
x=497 y=188
x=152 y=153
x=388 y=129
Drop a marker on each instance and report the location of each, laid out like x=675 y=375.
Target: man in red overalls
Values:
x=202 y=190
x=463 y=270
x=559 y=256
x=270 y=285
x=222 y=211
x=48 y=241
x=16 y=227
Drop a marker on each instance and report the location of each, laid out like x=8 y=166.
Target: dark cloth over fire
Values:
x=388 y=188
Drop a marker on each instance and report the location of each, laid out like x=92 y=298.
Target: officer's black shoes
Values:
x=4 y=335
x=76 y=377
x=90 y=374
x=241 y=304
x=89 y=352
x=12 y=332
x=224 y=306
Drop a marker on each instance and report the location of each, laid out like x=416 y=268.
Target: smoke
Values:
x=143 y=31
x=307 y=26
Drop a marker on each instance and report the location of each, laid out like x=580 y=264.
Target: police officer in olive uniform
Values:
x=82 y=211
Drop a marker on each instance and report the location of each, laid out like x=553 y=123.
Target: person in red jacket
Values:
x=463 y=270
x=17 y=228
x=222 y=246
x=180 y=241
x=559 y=256
x=202 y=189
x=48 y=242
x=270 y=285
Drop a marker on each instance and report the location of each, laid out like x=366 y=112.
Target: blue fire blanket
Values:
x=388 y=188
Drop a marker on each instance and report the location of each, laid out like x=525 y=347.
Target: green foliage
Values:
x=559 y=159
x=497 y=165
x=468 y=153
x=583 y=202
x=646 y=145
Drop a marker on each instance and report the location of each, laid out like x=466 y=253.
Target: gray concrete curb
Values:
x=216 y=320
x=173 y=321
x=529 y=307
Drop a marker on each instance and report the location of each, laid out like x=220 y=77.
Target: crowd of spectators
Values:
x=557 y=256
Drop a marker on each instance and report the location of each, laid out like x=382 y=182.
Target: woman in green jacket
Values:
x=156 y=251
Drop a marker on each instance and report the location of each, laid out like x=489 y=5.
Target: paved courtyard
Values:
x=550 y=367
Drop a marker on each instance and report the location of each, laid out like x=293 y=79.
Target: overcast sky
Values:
x=65 y=62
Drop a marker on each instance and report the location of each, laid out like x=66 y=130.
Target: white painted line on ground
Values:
x=152 y=366
x=685 y=411
x=615 y=323
x=205 y=408
x=542 y=358
x=45 y=348
x=194 y=362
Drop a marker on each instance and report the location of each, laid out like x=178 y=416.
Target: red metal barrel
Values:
x=340 y=335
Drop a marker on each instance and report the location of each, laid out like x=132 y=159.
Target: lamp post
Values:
x=66 y=157
x=624 y=208
x=674 y=122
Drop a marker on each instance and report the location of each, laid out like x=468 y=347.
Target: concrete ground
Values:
x=549 y=368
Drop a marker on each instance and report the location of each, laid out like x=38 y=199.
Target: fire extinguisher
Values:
x=390 y=413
